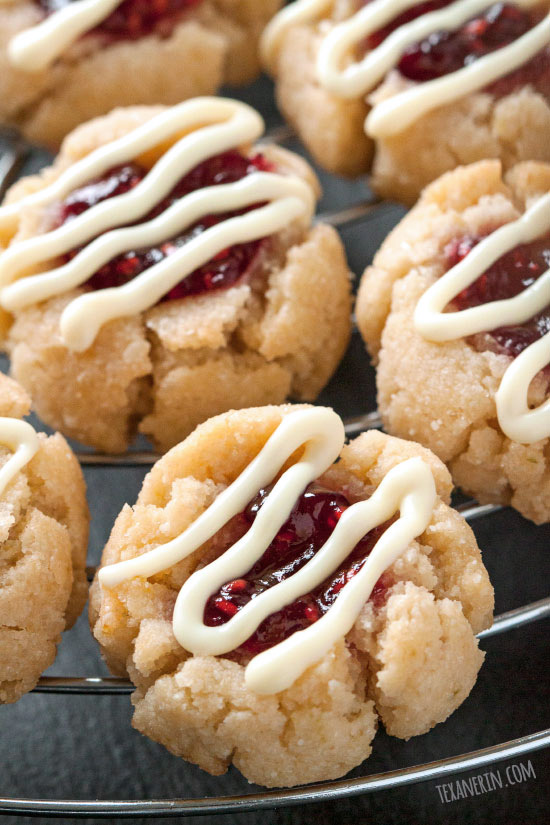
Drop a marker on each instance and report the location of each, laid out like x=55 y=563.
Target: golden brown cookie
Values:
x=277 y=326
x=410 y=658
x=443 y=394
x=186 y=48
x=507 y=118
x=43 y=542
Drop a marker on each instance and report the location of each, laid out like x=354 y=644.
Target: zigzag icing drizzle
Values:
x=357 y=79
x=516 y=419
x=37 y=48
x=408 y=488
x=21 y=438
x=209 y=127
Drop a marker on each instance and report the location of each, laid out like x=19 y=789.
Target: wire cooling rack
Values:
x=10 y=163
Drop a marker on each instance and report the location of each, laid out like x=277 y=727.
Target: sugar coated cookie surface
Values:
x=407 y=98
x=409 y=659
x=445 y=394
x=255 y=322
x=43 y=541
x=133 y=55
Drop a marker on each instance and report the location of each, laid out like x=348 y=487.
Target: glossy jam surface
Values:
x=507 y=277
x=310 y=524
x=411 y=14
x=445 y=52
x=133 y=18
x=223 y=271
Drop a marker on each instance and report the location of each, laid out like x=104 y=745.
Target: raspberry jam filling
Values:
x=444 y=52
x=507 y=277
x=133 y=18
x=228 y=267
x=308 y=527
x=405 y=17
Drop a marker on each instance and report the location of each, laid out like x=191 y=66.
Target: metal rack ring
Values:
x=513 y=619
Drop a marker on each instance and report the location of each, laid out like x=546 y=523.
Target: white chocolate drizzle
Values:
x=356 y=79
x=35 y=49
x=209 y=126
x=516 y=419
x=22 y=440
x=408 y=488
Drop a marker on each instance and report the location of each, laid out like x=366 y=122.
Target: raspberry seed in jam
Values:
x=223 y=271
x=509 y=276
x=444 y=52
x=133 y=18
x=308 y=527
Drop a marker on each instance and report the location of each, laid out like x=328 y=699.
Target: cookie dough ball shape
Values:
x=194 y=52
x=277 y=330
x=505 y=115
x=442 y=394
x=43 y=542
x=410 y=658
x=331 y=128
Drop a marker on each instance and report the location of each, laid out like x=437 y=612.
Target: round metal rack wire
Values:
x=10 y=163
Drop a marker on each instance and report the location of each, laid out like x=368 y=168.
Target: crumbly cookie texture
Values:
x=511 y=128
x=443 y=394
x=43 y=541
x=332 y=128
x=213 y=44
x=409 y=663
x=280 y=332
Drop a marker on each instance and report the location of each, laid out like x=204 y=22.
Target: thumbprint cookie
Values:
x=43 y=541
x=165 y=269
x=456 y=310
x=63 y=62
x=274 y=593
x=425 y=86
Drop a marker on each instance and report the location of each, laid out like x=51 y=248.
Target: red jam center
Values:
x=507 y=277
x=133 y=18
x=444 y=52
x=405 y=17
x=308 y=527
x=223 y=271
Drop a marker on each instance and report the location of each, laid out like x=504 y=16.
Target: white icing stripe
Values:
x=287 y=199
x=516 y=420
x=395 y=114
x=294 y=14
x=356 y=79
x=408 y=488
x=234 y=124
x=37 y=48
x=84 y=317
x=21 y=438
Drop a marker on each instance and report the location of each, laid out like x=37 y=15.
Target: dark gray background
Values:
x=84 y=747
